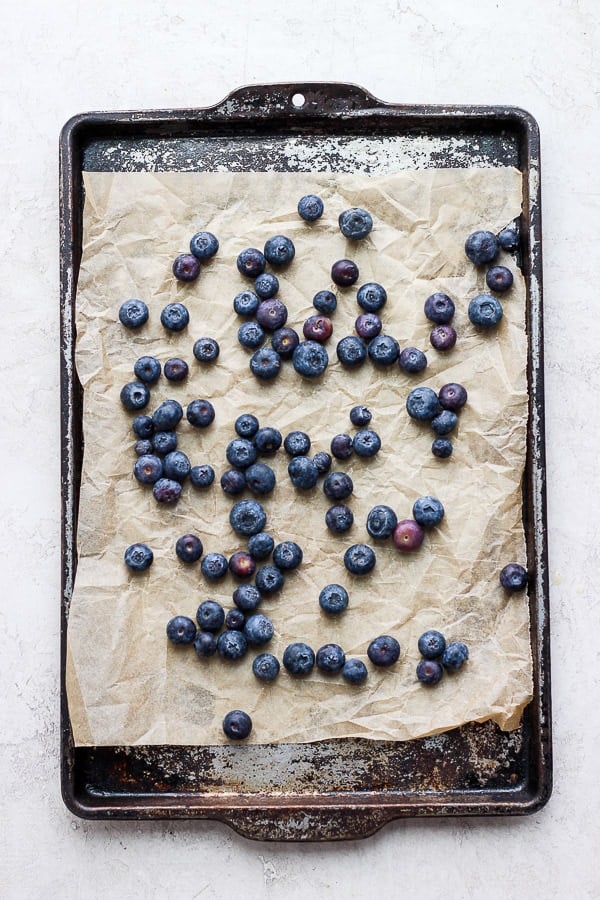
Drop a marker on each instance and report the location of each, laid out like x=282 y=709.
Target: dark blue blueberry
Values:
x=269 y=579
x=339 y=518
x=384 y=350
x=344 y=273
x=232 y=644
x=176 y=465
x=247 y=517
x=138 y=557
x=342 y=446
x=508 y=238
x=298 y=658
x=147 y=369
x=143 y=426
x=296 y=443
x=266 y=285
x=204 y=245
x=452 y=396
x=272 y=314
x=265 y=363
x=310 y=207
x=360 y=416
x=202 y=476
x=444 y=422
x=330 y=658
x=245 y=303
x=205 y=644
x=499 y=278
x=176 y=369
x=267 y=439
x=428 y=511
x=422 y=403
x=359 y=559
x=354 y=671
x=143 y=447
x=246 y=425
x=351 y=351
x=384 y=650
x=250 y=335
x=206 y=349
x=175 y=317
x=251 y=262
x=317 y=328
x=246 y=597
x=368 y=325
x=181 y=630
x=442 y=337
x=260 y=478
x=235 y=619
x=260 y=546
x=429 y=671
x=284 y=341
x=167 y=415
x=412 y=360
x=164 y=442
x=442 y=448
x=381 y=521
x=241 y=564
x=371 y=296
x=258 y=629
x=214 y=566
x=431 y=644
x=233 y=482
x=166 y=490
x=407 y=535
x=333 y=599
x=210 y=615
x=237 y=725
x=303 y=472
x=241 y=453
x=482 y=247
x=279 y=250
x=355 y=223
x=338 y=485
x=133 y=313
x=455 y=655
x=325 y=302
x=287 y=555
x=200 y=413
x=186 y=267
x=439 y=308
x=367 y=442
x=189 y=548
x=513 y=577
x=135 y=395
x=310 y=359
x=322 y=462
x=266 y=667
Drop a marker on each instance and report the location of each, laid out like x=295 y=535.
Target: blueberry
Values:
x=444 y=422
x=267 y=439
x=351 y=351
x=412 y=360
x=452 y=396
x=355 y=223
x=513 y=577
x=232 y=645
x=354 y=671
x=439 y=308
x=359 y=559
x=442 y=448
x=371 y=296
x=204 y=245
x=338 y=485
x=202 y=476
x=429 y=671
x=167 y=416
x=266 y=285
x=164 y=442
x=310 y=207
x=260 y=478
x=269 y=579
x=342 y=446
x=266 y=667
x=189 y=548
x=344 y=273
x=260 y=546
x=214 y=566
x=143 y=447
x=235 y=619
x=250 y=335
x=210 y=615
x=298 y=658
x=442 y=337
x=166 y=490
x=422 y=403
x=143 y=426
x=287 y=555
x=135 y=395
x=147 y=369
x=368 y=325
x=206 y=349
x=246 y=597
x=258 y=629
x=265 y=363
x=482 y=247
x=176 y=369
x=246 y=425
x=303 y=472
x=428 y=511
x=317 y=328
x=138 y=557
x=360 y=416
x=407 y=535
x=279 y=250
x=233 y=482
x=333 y=599
x=237 y=725
x=186 y=267
x=240 y=453
x=133 y=313
x=322 y=462
x=251 y=262
x=200 y=413
x=175 y=317
x=181 y=630
x=508 y=238
x=272 y=314
x=330 y=658
x=241 y=564
x=431 y=644
x=499 y=278
x=339 y=518
x=297 y=443
x=310 y=359
x=205 y=644
x=384 y=350
x=455 y=655
x=247 y=517
x=384 y=650
x=325 y=302
x=245 y=303
x=284 y=341
x=381 y=521
x=367 y=442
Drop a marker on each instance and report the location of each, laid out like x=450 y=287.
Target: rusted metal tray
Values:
x=330 y=790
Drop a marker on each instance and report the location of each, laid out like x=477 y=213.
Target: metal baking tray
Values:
x=331 y=790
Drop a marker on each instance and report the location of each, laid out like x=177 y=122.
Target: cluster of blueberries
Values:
x=437 y=656
x=482 y=247
x=440 y=409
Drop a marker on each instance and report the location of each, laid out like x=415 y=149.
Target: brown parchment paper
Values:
x=126 y=684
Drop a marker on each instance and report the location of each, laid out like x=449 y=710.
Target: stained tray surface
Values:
x=329 y=789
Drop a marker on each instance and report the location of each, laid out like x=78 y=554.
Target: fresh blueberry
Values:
x=143 y=426
x=206 y=349
x=354 y=671
x=166 y=490
x=143 y=447
x=342 y=446
x=367 y=442
x=250 y=335
x=499 y=278
x=214 y=566
x=202 y=476
x=189 y=548
x=175 y=316
x=330 y=658
x=508 y=238
x=431 y=644
x=287 y=555
x=237 y=725
x=245 y=303
x=147 y=369
x=210 y=615
x=258 y=629
x=205 y=644
x=444 y=422
x=235 y=619
x=298 y=658
x=241 y=564
x=452 y=396
x=269 y=579
x=384 y=650
x=359 y=559
x=133 y=313
x=303 y=472
x=200 y=413
x=407 y=535
x=138 y=557
x=322 y=462
x=428 y=511
x=251 y=262
x=247 y=517
x=333 y=599
x=240 y=452
x=186 y=267
x=267 y=439
x=355 y=223
x=260 y=546
x=135 y=395
x=310 y=359
x=344 y=273
x=204 y=245
x=246 y=425
x=176 y=465
x=439 y=308
x=455 y=655
x=181 y=630
x=164 y=442
x=310 y=207
x=442 y=448
x=297 y=443
x=325 y=302
x=266 y=285
x=360 y=416
x=167 y=416
x=272 y=314
x=265 y=363
x=384 y=350
x=351 y=351
x=371 y=296
x=233 y=482
x=232 y=645
x=442 y=337
x=246 y=597
x=176 y=369
x=260 y=478
x=381 y=521
x=368 y=325
x=482 y=247
x=279 y=250
x=338 y=485
x=339 y=518
x=412 y=360
x=317 y=328
x=266 y=667
x=513 y=577
x=422 y=403
x=284 y=341
x=429 y=671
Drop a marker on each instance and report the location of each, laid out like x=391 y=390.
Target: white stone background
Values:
x=58 y=59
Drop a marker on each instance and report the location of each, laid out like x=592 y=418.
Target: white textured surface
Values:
x=59 y=59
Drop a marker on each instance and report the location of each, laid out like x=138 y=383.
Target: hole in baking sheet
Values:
x=298 y=100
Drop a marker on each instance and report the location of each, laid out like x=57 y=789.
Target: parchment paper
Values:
x=126 y=683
